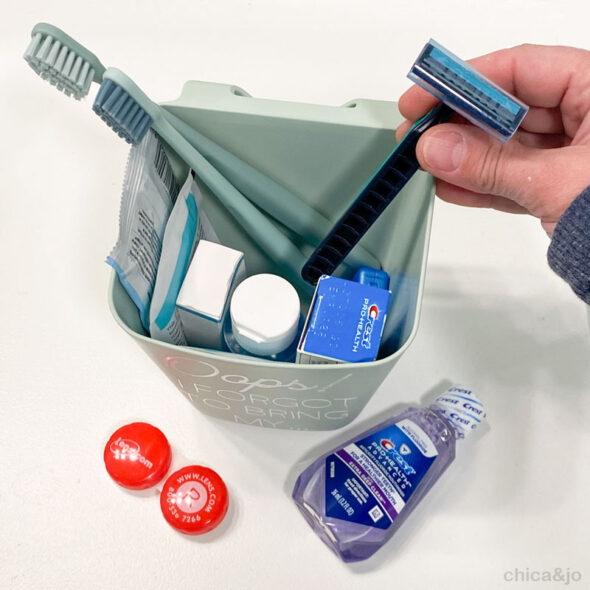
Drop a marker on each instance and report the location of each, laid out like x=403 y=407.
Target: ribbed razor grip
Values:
x=387 y=182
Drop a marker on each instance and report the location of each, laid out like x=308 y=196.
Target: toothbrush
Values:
x=460 y=88
x=130 y=113
x=72 y=68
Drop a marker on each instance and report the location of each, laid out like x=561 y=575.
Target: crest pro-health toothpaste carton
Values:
x=345 y=323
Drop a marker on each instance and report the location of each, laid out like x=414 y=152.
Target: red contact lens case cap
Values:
x=137 y=456
x=194 y=500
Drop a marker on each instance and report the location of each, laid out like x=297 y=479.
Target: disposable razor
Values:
x=461 y=89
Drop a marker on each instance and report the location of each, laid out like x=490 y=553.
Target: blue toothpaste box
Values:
x=344 y=324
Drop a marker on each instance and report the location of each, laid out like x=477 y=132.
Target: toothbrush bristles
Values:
x=59 y=65
x=121 y=112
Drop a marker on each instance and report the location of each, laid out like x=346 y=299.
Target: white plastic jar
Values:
x=264 y=318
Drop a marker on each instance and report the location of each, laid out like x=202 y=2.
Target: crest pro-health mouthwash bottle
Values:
x=356 y=496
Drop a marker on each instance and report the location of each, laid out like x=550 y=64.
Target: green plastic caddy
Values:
x=324 y=155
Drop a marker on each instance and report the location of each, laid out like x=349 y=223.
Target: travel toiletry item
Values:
x=70 y=67
x=264 y=318
x=461 y=88
x=344 y=323
x=357 y=496
x=193 y=499
x=372 y=201
x=402 y=304
x=203 y=301
x=137 y=456
x=372 y=276
x=186 y=225
x=149 y=191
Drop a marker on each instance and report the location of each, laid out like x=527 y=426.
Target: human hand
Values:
x=544 y=166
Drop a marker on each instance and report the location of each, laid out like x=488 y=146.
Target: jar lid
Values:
x=137 y=456
x=265 y=311
x=194 y=500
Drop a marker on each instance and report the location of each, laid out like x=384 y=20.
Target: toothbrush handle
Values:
x=274 y=243
x=385 y=185
x=264 y=192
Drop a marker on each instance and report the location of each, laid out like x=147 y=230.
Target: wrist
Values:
x=569 y=251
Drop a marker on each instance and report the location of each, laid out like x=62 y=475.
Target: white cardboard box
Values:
x=203 y=301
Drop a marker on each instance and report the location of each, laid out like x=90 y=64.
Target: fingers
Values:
x=539 y=75
x=543 y=141
x=543 y=120
x=467 y=157
x=404 y=127
x=402 y=130
x=415 y=103
x=542 y=181
x=466 y=198
x=537 y=140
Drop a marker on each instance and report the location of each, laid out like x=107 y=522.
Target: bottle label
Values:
x=370 y=481
x=461 y=407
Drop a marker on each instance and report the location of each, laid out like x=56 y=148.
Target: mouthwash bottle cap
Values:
x=265 y=311
x=460 y=406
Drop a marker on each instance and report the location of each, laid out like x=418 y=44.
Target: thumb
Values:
x=543 y=181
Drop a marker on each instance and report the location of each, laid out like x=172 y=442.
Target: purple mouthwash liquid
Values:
x=356 y=496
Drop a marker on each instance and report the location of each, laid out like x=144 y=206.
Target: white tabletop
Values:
x=494 y=317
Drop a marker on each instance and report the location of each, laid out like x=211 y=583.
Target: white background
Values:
x=494 y=317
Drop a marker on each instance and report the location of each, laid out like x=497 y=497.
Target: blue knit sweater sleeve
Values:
x=569 y=250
